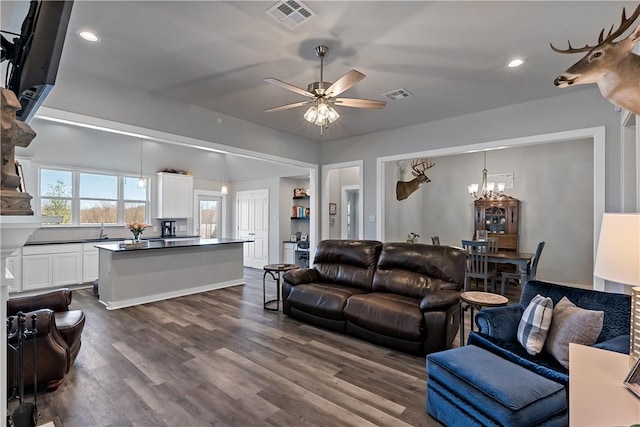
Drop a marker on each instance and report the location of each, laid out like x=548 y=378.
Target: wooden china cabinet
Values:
x=499 y=217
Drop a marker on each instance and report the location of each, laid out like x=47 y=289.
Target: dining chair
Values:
x=478 y=263
x=506 y=277
x=435 y=240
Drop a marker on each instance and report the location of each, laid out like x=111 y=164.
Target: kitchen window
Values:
x=83 y=197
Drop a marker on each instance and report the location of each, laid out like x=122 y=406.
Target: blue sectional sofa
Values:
x=498 y=326
x=482 y=383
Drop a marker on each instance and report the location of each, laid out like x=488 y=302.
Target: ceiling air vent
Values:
x=397 y=94
x=290 y=13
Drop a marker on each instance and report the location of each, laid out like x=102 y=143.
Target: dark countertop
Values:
x=161 y=244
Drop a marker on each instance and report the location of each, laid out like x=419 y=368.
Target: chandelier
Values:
x=488 y=190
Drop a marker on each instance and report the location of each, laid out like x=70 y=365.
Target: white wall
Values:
x=66 y=145
x=573 y=110
x=556 y=203
x=79 y=93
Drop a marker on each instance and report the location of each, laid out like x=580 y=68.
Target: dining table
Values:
x=521 y=259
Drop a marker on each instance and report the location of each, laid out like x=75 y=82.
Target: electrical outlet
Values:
x=183 y=228
x=155 y=228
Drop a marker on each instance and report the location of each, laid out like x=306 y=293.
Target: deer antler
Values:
x=625 y=23
x=419 y=166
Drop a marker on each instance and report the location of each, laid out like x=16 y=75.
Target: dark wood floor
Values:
x=219 y=359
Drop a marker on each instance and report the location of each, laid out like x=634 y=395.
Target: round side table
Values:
x=275 y=271
x=475 y=300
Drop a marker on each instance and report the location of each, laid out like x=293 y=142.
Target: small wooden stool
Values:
x=477 y=300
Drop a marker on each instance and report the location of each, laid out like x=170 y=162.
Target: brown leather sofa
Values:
x=57 y=340
x=400 y=295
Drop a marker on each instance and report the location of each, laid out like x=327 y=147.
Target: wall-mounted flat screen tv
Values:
x=35 y=55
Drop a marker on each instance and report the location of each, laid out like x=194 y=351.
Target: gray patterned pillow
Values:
x=534 y=324
x=572 y=324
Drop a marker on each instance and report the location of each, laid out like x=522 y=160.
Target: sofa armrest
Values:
x=500 y=322
x=619 y=344
x=57 y=300
x=301 y=275
x=437 y=300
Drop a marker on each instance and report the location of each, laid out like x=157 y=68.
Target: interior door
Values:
x=209 y=218
x=253 y=225
x=350 y=208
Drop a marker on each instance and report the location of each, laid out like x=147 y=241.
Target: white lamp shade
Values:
x=618 y=256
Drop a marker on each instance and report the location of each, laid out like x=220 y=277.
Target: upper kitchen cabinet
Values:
x=175 y=195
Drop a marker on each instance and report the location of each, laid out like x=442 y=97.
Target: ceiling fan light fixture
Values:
x=323 y=110
x=324 y=95
x=333 y=115
x=311 y=114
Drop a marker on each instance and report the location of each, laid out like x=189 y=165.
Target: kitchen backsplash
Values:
x=61 y=233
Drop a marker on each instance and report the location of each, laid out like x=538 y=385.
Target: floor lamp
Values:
x=618 y=260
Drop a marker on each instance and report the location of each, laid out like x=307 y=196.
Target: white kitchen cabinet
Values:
x=67 y=269
x=175 y=196
x=289 y=253
x=47 y=266
x=14 y=268
x=37 y=272
x=90 y=262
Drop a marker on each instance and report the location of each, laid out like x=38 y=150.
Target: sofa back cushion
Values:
x=347 y=262
x=616 y=307
x=414 y=269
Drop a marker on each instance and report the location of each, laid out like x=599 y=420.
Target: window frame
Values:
x=75 y=198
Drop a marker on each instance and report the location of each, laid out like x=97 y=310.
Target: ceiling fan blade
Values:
x=290 y=87
x=360 y=103
x=344 y=83
x=286 y=107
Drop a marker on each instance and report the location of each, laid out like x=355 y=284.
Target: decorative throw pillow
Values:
x=572 y=324
x=534 y=324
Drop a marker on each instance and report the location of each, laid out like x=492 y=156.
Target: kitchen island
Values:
x=132 y=274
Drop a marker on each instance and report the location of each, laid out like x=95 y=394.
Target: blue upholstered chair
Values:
x=498 y=325
x=482 y=382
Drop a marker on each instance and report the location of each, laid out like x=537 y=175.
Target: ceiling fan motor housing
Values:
x=317 y=85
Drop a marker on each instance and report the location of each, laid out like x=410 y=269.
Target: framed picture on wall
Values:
x=333 y=208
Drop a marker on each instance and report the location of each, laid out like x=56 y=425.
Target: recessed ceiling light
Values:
x=89 y=36
x=515 y=63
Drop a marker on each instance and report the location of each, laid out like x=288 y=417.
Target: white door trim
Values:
x=343 y=210
x=597 y=134
x=223 y=209
x=325 y=230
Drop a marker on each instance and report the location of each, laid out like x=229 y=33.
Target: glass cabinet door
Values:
x=495 y=218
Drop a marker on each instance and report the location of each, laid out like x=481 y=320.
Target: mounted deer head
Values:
x=610 y=64
x=419 y=166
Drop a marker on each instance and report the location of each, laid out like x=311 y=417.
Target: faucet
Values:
x=102 y=235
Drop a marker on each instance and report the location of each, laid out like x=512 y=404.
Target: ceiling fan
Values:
x=323 y=95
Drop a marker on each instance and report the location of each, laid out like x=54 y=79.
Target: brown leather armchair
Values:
x=57 y=340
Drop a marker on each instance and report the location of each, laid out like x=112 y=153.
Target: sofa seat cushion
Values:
x=321 y=299
x=393 y=315
x=543 y=363
x=485 y=384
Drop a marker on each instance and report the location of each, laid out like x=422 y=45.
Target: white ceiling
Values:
x=450 y=55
